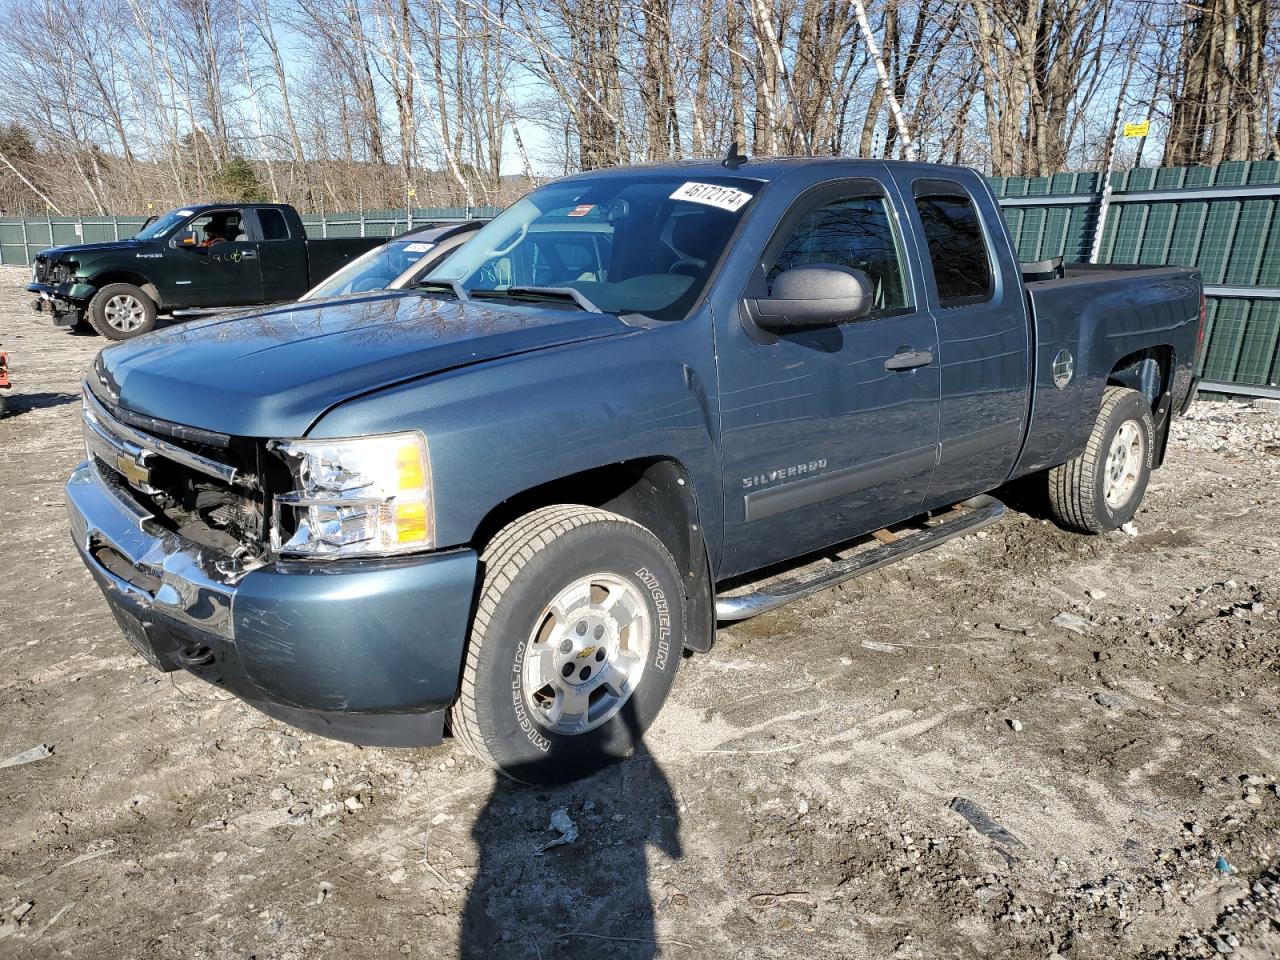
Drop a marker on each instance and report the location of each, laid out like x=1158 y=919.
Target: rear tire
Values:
x=575 y=643
x=121 y=311
x=1102 y=488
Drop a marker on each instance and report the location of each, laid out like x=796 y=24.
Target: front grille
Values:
x=55 y=272
x=207 y=495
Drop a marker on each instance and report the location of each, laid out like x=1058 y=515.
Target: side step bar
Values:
x=971 y=516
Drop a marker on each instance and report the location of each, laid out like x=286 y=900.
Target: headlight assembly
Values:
x=355 y=497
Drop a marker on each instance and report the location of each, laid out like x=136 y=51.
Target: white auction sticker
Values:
x=418 y=247
x=726 y=198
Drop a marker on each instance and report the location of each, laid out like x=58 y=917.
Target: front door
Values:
x=828 y=433
x=214 y=262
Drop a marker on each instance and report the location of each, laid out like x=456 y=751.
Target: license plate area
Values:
x=135 y=631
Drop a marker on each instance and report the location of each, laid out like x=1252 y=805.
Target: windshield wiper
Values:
x=519 y=292
x=442 y=284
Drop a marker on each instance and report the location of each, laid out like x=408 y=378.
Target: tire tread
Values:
x=501 y=562
x=1072 y=492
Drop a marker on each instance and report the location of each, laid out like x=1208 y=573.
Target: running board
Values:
x=969 y=516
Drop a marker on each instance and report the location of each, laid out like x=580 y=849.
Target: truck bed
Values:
x=1093 y=317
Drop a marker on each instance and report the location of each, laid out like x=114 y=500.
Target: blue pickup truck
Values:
x=510 y=500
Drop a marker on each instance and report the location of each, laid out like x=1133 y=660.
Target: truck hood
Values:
x=80 y=249
x=273 y=373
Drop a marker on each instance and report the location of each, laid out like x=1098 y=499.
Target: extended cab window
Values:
x=273 y=225
x=855 y=232
x=957 y=248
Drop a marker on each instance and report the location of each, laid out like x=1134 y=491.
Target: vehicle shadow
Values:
x=20 y=403
x=585 y=899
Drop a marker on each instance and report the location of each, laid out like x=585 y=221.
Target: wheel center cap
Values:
x=584 y=649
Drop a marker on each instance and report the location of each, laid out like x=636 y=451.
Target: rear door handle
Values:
x=909 y=360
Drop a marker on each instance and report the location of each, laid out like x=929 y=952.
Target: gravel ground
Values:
x=797 y=798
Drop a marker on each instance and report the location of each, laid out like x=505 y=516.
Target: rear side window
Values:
x=273 y=225
x=957 y=249
x=854 y=232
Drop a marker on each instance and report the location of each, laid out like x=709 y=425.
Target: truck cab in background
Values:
x=196 y=258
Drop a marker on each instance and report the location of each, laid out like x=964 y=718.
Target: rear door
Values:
x=282 y=255
x=974 y=291
x=827 y=433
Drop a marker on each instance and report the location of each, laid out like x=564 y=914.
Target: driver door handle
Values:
x=249 y=255
x=909 y=360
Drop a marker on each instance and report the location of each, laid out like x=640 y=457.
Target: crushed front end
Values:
x=175 y=525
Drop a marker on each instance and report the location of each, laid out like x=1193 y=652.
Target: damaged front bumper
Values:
x=369 y=651
x=64 y=302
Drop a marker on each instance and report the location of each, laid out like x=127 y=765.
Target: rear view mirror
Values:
x=819 y=295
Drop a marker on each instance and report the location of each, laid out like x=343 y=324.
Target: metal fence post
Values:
x=26 y=247
x=362 y=222
x=115 y=226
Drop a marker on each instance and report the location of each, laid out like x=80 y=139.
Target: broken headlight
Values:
x=357 y=497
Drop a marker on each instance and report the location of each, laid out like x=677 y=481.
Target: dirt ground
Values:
x=795 y=797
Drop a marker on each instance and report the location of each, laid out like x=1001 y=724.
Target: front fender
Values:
x=501 y=428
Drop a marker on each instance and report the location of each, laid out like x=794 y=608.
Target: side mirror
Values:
x=187 y=238
x=820 y=295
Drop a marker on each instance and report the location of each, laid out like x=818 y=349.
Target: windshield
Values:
x=158 y=228
x=373 y=270
x=644 y=245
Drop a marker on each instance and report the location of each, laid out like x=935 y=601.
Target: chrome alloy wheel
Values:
x=1124 y=464
x=124 y=313
x=586 y=653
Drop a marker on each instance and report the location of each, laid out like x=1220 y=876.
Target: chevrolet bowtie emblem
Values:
x=586 y=652
x=138 y=474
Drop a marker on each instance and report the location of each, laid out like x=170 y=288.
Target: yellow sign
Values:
x=1138 y=129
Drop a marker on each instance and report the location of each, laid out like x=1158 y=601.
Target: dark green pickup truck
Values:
x=195 y=258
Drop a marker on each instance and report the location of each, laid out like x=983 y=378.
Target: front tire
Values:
x=1102 y=488
x=577 y=636
x=120 y=311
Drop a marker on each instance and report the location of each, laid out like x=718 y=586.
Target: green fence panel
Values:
x=1159 y=233
x=1184 y=245
x=1130 y=223
x=1170 y=178
x=1255 y=223
x=1264 y=171
x=1232 y=174
x=1198 y=177
x=1062 y=183
x=1143 y=178
x=1258 y=348
x=1222 y=353
x=1215 y=243
x=1031 y=234
x=1057 y=225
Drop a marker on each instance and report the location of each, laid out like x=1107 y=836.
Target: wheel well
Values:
x=1150 y=372
x=656 y=493
x=122 y=276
